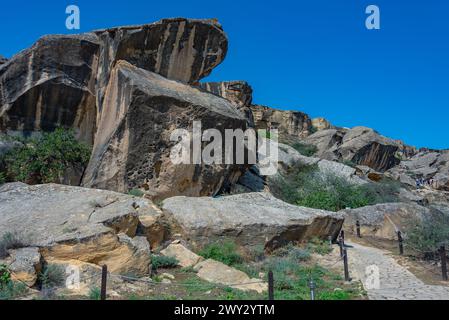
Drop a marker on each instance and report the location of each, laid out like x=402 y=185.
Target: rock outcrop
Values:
x=238 y=92
x=251 y=219
x=3 y=60
x=360 y=145
x=321 y=124
x=384 y=220
x=72 y=223
x=133 y=145
x=426 y=164
x=291 y=124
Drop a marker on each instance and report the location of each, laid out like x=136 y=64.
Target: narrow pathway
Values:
x=395 y=282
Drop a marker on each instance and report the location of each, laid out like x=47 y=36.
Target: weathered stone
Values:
x=321 y=124
x=217 y=272
x=25 y=264
x=360 y=145
x=251 y=219
x=185 y=257
x=132 y=148
x=51 y=84
x=238 y=92
x=291 y=124
x=383 y=220
x=72 y=223
x=3 y=60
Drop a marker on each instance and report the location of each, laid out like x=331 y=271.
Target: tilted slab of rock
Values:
x=384 y=220
x=185 y=257
x=291 y=124
x=93 y=226
x=132 y=147
x=51 y=84
x=251 y=219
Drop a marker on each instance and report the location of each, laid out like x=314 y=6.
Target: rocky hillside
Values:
x=122 y=91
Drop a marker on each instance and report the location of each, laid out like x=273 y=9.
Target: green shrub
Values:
x=5 y=275
x=44 y=159
x=13 y=290
x=319 y=246
x=94 y=293
x=10 y=240
x=52 y=276
x=306 y=186
x=225 y=252
x=307 y=150
x=2 y=178
x=426 y=236
x=136 y=193
x=163 y=262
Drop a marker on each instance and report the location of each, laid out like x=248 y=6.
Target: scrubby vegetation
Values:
x=10 y=289
x=44 y=159
x=425 y=237
x=225 y=252
x=52 y=276
x=10 y=240
x=158 y=262
x=94 y=293
x=136 y=193
x=307 y=150
x=306 y=186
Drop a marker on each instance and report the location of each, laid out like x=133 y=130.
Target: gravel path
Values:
x=395 y=282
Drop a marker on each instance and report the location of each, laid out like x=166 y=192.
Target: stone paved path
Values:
x=396 y=282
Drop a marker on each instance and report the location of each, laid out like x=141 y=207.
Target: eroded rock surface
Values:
x=133 y=145
x=72 y=223
x=251 y=219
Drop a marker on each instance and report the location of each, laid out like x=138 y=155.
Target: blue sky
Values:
x=313 y=56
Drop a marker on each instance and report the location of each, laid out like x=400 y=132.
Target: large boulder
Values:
x=51 y=84
x=251 y=219
x=360 y=145
x=72 y=223
x=25 y=264
x=133 y=143
x=384 y=220
x=291 y=124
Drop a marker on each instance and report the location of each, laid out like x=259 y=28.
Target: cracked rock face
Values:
x=133 y=145
x=251 y=219
x=72 y=223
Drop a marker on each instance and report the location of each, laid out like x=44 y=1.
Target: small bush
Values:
x=425 y=237
x=136 y=193
x=2 y=178
x=307 y=150
x=319 y=246
x=9 y=240
x=52 y=276
x=94 y=293
x=5 y=275
x=225 y=252
x=45 y=159
x=13 y=290
x=163 y=262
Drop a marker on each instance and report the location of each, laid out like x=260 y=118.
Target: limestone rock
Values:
x=25 y=264
x=132 y=147
x=72 y=223
x=238 y=92
x=384 y=220
x=360 y=145
x=217 y=272
x=185 y=257
x=321 y=124
x=251 y=219
x=51 y=84
x=291 y=124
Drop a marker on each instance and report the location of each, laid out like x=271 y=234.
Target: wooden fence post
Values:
x=401 y=245
x=443 y=262
x=104 y=280
x=357 y=225
x=270 y=286
x=345 y=265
